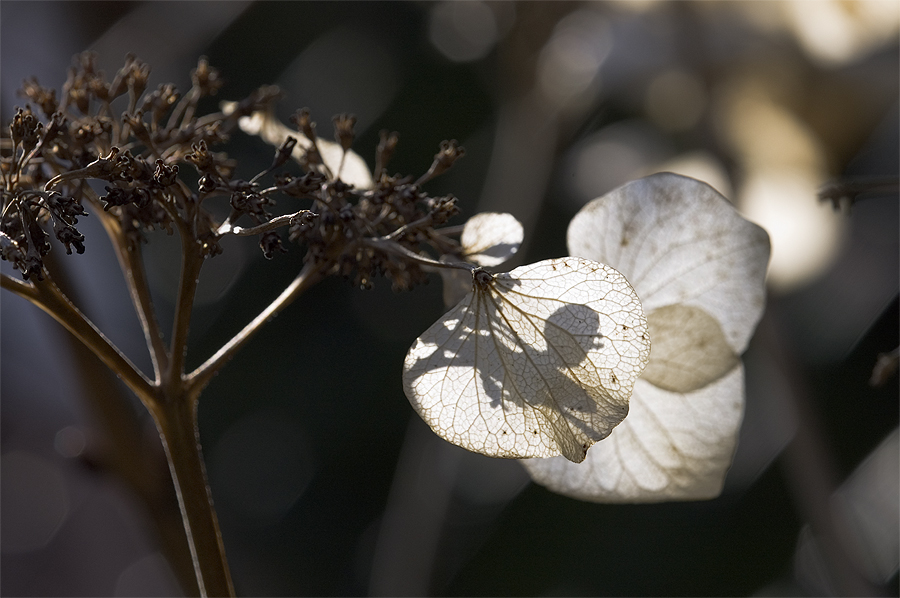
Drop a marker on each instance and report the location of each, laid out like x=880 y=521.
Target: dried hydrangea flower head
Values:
x=356 y=226
x=141 y=143
x=136 y=151
x=699 y=269
x=381 y=222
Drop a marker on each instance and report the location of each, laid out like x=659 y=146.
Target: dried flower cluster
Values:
x=371 y=232
x=128 y=157
x=135 y=141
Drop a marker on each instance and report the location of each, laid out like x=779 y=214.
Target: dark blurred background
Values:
x=326 y=482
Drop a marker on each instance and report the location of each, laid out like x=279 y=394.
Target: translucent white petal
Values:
x=490 y=238
x=353 y=171
x=689 y=349
x=534 y=363
x=672 y=446
x=677 y=240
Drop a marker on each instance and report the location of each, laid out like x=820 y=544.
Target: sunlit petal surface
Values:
x=672 y=446
x=538 y=362
x=490 y=238
x=677 y=240
x=699 y=269
x=689 y=349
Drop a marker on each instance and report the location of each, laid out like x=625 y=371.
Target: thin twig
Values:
x=191 y=262
x=21 y=288
x=228 y=229
x=46 y=295
x=132 y=266
x=190 y=98
x=81 y=173
x=853 y=190
x=308 y=276
x=422 y=222
x=449 y=231
x=387 y=245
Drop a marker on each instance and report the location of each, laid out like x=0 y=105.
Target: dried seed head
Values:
x=205 y=78
x=42 y=96
x=283 y=153
x=137 y=77
x=86 y=62
x=442 y=209
x=302 y=120
x=119 y=83
x=385 y=151
x=160 y=101
x=270 y=243
x=206 y=184
x=343 y=129
x=165 y=175
x=25 y=129
x=201 y=158
x=449 y=153
x=68 y=235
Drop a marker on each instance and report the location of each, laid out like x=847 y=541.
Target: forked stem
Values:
x=174 y=410
x=308 y=276
x=46 y=295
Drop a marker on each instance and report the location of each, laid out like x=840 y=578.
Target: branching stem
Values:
x=46 y=295
x=187 y=289
x=308 y=276
x=81 y=173
x=279 y=221
x=387 y=245
x=132 y=265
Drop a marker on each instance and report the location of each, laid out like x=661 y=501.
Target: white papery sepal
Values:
x=534 y=363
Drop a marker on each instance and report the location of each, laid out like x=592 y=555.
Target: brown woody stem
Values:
x=176 y=420
x=46 y=295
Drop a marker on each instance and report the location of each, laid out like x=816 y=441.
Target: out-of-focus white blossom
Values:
x=782 y=166
x=488 y=239
x=569 y=64
x=463 y=31
x=349 y=168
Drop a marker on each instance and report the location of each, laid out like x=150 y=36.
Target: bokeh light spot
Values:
x=463 y=30
x=34 y=504
x=69 y=442
x=805 y=233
